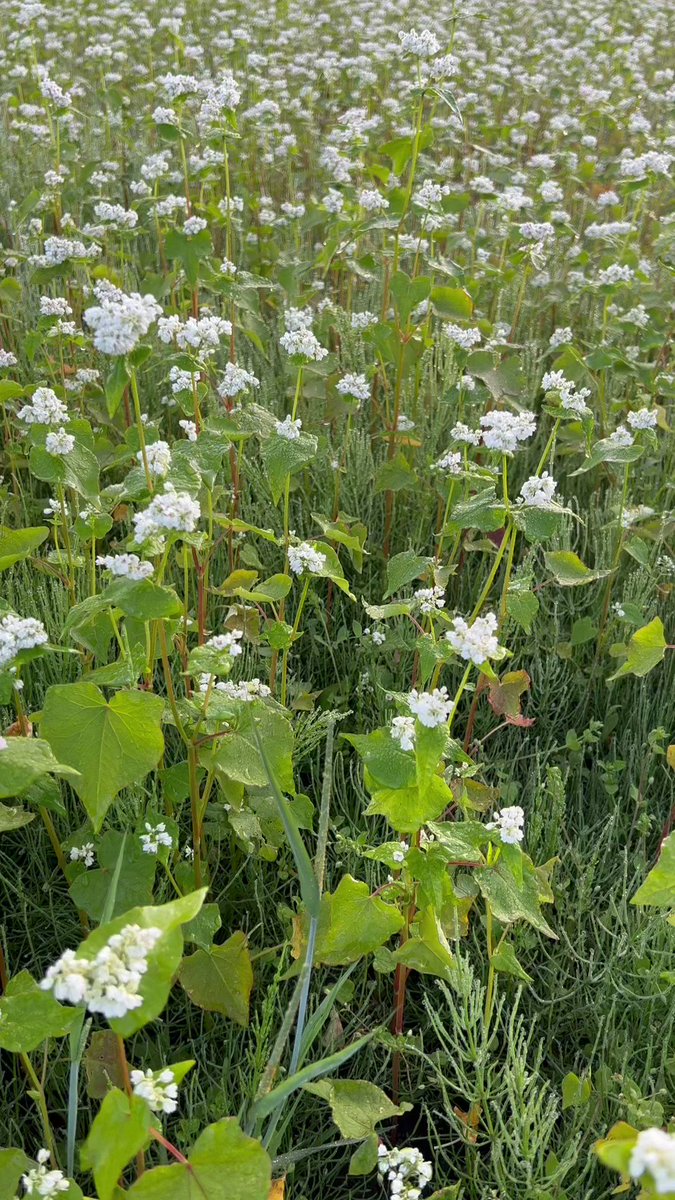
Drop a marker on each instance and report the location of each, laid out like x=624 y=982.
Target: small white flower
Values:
x=356 y=386
x=538 y=491
x=19 y=633
x=189 y=429
x=158 y=1088
x=154 y=837
x=654 y=1154
x=59 y=443
x=45 y=408
x=158 y=455
x=477 y=642
x=431 y=708
x=288 y=429
x=194 y=225
x=40 y=1181
x=430 y=599
x=509 y=822
x=305 y=558
x=125 y=566
x=643 y=418
x=84 y=853
x=403 y=731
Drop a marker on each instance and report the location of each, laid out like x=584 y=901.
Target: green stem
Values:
x=139 y=426
x=38 y=1095
x=287 y=649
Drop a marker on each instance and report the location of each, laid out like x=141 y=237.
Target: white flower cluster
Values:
x=158 y=455
x=227 y=641
x=464 y=338
x=403 y=731
x=194 y=225
x=430 y=708
x=303 y=344
x=196 y=333
x=246 y=689
x=451 y=462
x=54 y=306
x=45 y=408
x=538 y=491
x=42 y=1182
x=115 y=214
x=84 y=854
x=423 y=45
x=7 y=359
x=154 y=837
x=58 y=250
x=406 y=1171
x=643 y=418
x=356 y=386
x=170 y=510
x=109 y=983
x=158 y=1088
x=236 y=380
x=125 y=566
x=19 y=633
x=504 y=430
x=462 y=433
x=572 y=400
x=477 y=642
x=59 y=443
x=288 y=428
x=654 y=1154
x=430 y=599
x=509 y=822
x=120 y=321
x=305 y=558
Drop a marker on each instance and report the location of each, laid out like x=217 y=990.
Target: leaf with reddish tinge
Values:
x=505 y=694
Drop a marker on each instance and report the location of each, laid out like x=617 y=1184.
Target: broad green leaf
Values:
x=357 y=1106
x=200 y=931
x=510 y=899
x=451 y=302
x=119 y=1130
x=143 y=599
x=112 y=745
x=403 y=568
x=24 y=761
x=658 y=889
x=606 y=451
x=616 y=1149
x=427 y=949
x=504 y=960
x=14 y=818
x=364 y=1158
x=115 y=384
x=388 y=765
x=237 y=756
x=523 y=605
x=482 y=511
x=404 y=807
x=220 y=979
x=568 y=569
x=16 y=544
x=163 y=960
x=13 y=1164
x=89 y=891
x=395 y=476
x=224 y=1164
x=351 y=923
x=645 y=650
x=575 y=1091
x=28 y=1015
x=78 y=469
x=408 y=293
x=505 y=378
x=283 y=458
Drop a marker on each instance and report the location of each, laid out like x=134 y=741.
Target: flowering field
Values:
x=337 y=699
